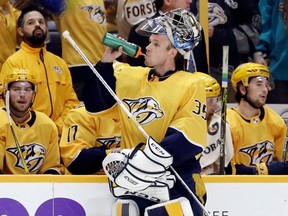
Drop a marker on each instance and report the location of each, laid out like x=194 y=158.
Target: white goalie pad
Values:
x=156 y=192
x=139 y=172
x=180 y=206
x=137 y=169
x=124 y=172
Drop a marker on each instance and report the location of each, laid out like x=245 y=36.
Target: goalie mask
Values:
x=181 y=27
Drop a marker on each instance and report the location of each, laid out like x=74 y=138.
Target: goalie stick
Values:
x=67 y=36
x=223 y=109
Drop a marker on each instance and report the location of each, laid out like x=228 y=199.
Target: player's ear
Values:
x=173 y=52
x=242 y=89
x=20 y=31
x=167 y=2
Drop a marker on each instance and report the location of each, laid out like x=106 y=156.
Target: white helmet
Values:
x=181 y=27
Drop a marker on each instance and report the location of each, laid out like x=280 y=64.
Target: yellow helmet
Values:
x=244 y=71
x=19 y=74
x=212 y=87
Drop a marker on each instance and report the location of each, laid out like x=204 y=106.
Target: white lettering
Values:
x=219 y=213
x=130 y=180
x=136 y=12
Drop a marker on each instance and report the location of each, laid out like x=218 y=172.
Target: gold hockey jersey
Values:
x=38 y=139
x=257 y=139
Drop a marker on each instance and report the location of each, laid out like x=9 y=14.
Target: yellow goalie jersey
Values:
x=159 y=104
x=82 y=131
x=257 y=139
x=38 y=139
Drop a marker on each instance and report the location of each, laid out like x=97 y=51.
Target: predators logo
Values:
x=216 y=15
x=96 y=13
x=145 y=110
x=231 y=3
x=258 y=153
x=111 y=142
x=34 y=156
x=57 y=69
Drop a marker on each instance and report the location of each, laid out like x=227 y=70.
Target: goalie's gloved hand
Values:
x=137 y=169
x=156 y=152
x=153 y=151
x=273 y=168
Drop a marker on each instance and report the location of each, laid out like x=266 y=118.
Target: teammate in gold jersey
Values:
x=86 y=21
x=258 y=133
x=209 y=160
x=85 y=139
x=28 y=139
x=56 y=94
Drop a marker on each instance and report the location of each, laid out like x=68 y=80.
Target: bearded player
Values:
x=258 y=133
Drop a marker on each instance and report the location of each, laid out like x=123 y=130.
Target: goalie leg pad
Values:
x=157 y=192
x=177 y=207
x=125 y=208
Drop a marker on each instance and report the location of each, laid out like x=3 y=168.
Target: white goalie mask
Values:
x=181 y=27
